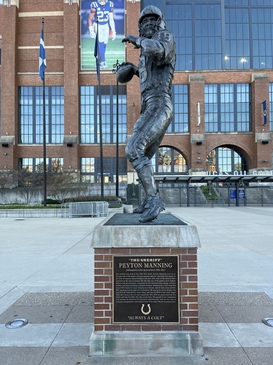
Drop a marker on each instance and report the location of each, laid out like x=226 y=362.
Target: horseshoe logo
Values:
x=149 y=309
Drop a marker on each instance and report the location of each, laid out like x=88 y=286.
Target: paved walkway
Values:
x=46 y=276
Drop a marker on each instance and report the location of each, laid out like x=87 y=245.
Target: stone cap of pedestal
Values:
x=178 y=234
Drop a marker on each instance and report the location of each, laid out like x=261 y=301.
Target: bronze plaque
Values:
x=145 y=289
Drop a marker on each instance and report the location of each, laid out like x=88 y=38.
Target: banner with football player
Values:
x=102 y=20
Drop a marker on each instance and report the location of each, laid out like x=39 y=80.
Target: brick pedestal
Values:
x=116 y=237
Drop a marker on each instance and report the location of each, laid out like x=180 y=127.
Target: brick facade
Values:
x=103 y=289
x=19 y=45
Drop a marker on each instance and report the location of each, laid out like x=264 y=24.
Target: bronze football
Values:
x=125 y=73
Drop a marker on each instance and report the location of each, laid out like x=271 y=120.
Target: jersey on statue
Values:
x=155 y=71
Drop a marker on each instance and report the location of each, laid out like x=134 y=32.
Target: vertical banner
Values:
x=198 y=114
x=264 y=112
x=107 y=18
x=42 y=54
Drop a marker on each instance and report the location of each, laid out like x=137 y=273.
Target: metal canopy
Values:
x=191 y=179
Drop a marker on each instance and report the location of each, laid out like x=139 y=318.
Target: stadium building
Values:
x=222 y=89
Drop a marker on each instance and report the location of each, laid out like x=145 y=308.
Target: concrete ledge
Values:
x=196 y=77
x=144 y=344
x=153 y=234
x=195 y=138
x=261 y=137
x=259 y=76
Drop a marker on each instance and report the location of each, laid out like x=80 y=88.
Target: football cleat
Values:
x=141 y=208
x=154 y=206
x=103 y=65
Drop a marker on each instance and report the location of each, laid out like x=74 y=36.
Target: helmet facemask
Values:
x=148 y=26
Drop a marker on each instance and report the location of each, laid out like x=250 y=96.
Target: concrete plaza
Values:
x=46 y=276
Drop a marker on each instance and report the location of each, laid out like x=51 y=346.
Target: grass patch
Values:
x=113 y=202
x=209 y=193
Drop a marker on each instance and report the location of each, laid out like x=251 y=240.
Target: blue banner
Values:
x=264 y=112
x=42 y=56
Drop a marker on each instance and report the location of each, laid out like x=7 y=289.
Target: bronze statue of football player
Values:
x=155 y=71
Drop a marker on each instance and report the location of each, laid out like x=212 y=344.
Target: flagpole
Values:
x=116 y=66
x=97 y=55
x=42 y=74
x=44 y=142
x=117 y=142
x=101 y=145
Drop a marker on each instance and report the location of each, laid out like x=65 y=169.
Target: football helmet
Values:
x=102 y=3
x=151 y=11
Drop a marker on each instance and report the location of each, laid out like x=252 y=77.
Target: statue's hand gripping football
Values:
x=126 y=72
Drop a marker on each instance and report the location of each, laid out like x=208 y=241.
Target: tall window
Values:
x=243 y=111
x=227 y=114
x=180 y=122
x=207 y=37
x=179 y=20
x=227 y=108
x=31 y=114
x=90 y=119
x=237 y=45
x=211 y=108
x=262 y=32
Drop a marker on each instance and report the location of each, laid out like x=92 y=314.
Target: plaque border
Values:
x=142 y=322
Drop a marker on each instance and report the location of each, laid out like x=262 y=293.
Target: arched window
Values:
x=169 y=161
x=225 y=160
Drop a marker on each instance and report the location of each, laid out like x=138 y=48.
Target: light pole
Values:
x=116 y=66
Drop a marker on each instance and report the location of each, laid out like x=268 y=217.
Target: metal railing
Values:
x=87 y=209
x=190 y=196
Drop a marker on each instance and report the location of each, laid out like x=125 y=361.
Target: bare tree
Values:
x=29 y=183
x=6 y=179
x=62 y=184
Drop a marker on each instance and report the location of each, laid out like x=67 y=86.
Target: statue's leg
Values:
x=151 y=150
x=135 y=152
x=140 y=209
x=144 y=142
x=153 y=204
